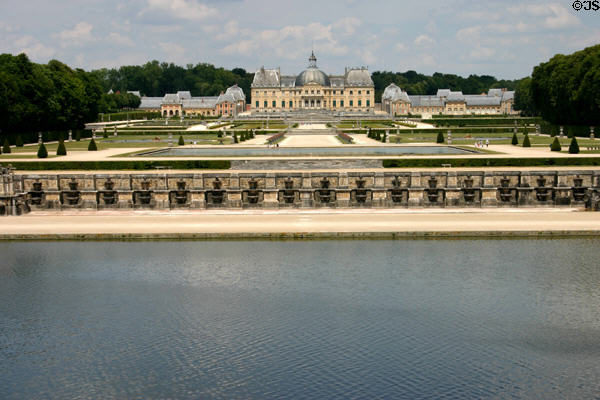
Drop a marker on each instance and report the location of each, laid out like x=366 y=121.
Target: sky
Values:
x=505 y=39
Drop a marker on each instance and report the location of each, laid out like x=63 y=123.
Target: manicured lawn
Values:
x=495 y=138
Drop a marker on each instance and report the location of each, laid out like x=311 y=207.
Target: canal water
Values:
x=300 y=320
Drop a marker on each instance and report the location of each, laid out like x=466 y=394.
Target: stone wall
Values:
x=12 y=202
x=374 y=189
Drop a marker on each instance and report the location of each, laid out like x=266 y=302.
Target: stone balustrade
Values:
x=270 y=190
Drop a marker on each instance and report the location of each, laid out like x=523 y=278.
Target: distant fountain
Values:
x=143 y=197
x=469 y=193
x=288 y=194
x=505 y=191
x=180 y=196
x=72 y=196
x=542 y=192
x=36 y=194
x=252 y=195
x=217 y=194
x=324 y=194
x=360 y=194
x=433 y=193
x=107 y=196
x=397 y=193
x=579 y=191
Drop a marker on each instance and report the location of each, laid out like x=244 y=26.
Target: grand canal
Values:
x=300 y=319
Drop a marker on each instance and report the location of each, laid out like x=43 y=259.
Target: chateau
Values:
x=230 y=103
x=395 y=101
x=313 y=90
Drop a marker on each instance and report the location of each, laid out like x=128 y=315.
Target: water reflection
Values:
x=366 y=319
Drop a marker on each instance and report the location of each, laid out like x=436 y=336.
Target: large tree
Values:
x=566 y=89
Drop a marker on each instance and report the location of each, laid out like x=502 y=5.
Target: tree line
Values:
x=54 y=97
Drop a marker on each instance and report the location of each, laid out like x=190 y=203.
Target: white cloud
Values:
x=400 y=46
x=230 y=31
x=424 y=40
x=32 y=47
x=482 y=53
x=119 y=39
x=80 y=34
x=183 y=9
x=555 y=16
x=347 y=26
x=290 y=42
x=174 y=51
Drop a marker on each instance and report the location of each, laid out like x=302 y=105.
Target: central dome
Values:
x=312 y=75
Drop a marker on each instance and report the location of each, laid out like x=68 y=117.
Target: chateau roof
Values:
x=478 y=100
x=200 y=102
x=236 y=92
x=171 y=98
x=443 y=92
x=508 y=95
x=288 y=81
x=184 y=95
x=150 y=102
x=426 y=101
x=457 y=97
x=394 y=93
x=312 y=75
x=266 y=78
x=358 y=77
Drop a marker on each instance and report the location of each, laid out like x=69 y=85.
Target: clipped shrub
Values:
x=574 y=146
x=440 y=138
x=92 y=146
x=384 y=137
x=6 y=147
x=515 y=141
x=42 y=151
x=78 y=136
x=526 y=142
x=220 y=134
x=555 y=146
x=378 y=136
x=19 y=141
x=180 y=142
x=105 y=135
x=61 y=150
x=235 y=138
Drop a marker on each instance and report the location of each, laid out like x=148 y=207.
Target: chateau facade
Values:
x=230 y=103
x=395 y=101
x=313 y=90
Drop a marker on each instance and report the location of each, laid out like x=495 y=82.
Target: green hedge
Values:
x=457 y=131
x=122 y=116
x=119 y=165
x=491 y=162
x=488 y=116
x=51 y=136
x=568 y=130
x=483 y=121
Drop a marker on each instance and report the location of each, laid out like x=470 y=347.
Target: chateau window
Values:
x=360 y=103
x=351 y=102
x=274 y=104
x=312 y=92
x=291 y=104
x=368 y=103
x=351 y=93
x=341 y=103
x=341 y=92
x=282 y=104
x=359 y=92
x=265 y=104
x=306 y=92
x=318 y=92
x=334 y=104
x=368 y=92
x=334 y=92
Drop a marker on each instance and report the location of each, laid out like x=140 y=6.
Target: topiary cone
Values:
x=555 y=146
x=181 y=142
x=526 y=142
x=440 y=138
x=42 y=151
x=515 y=141
x=61 y=150
x=92 y=146
x=574 y=146
x=6 y=147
